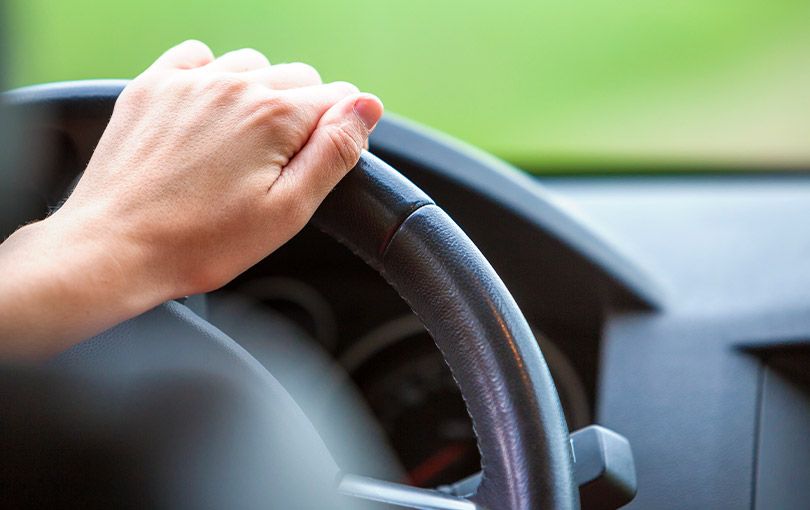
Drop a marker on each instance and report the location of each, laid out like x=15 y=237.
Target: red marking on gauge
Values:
x=437 y=462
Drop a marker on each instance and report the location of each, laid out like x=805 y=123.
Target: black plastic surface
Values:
x=604 y=467
x=682 y=384
x=783 y=447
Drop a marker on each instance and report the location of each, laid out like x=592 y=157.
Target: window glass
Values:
x=585 y=85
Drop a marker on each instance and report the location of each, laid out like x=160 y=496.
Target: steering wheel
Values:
x=397 y=229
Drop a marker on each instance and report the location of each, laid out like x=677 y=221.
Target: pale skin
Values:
x=206 y=167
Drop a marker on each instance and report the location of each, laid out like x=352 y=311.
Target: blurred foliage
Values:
x=585 y=85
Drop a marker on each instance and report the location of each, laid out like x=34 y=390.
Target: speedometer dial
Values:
x=411 y=391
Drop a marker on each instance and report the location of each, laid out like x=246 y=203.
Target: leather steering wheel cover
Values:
x=522 y=435
x=487 y=343
x=486 y=340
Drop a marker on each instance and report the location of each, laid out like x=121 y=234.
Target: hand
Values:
x=210 y=165
x=205 y=168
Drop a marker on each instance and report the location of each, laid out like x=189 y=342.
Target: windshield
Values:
x=589 y=85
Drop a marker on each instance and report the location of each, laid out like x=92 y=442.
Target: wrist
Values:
x=79 y=274
x=100 y=252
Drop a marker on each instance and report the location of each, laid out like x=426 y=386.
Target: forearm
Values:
x=65 y=279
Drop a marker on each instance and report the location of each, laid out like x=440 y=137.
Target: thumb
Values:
x=332 y=150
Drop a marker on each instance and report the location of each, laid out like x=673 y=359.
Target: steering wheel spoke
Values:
x=401 y=495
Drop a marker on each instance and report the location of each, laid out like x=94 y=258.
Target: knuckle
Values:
x=198 y=49
x=346 y=87
x=250 y=54
x=307 y=71
x=194 y=44
x=275 y=107
x=227 y=84
x=345 y=143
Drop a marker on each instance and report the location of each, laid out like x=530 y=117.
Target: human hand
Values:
x=210 y=165
x=206 y=167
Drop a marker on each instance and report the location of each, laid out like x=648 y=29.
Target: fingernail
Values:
x=369 y=110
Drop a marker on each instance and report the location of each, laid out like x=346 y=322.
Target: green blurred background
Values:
x=584 y=85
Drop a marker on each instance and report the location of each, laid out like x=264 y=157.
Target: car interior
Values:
x=670 y=311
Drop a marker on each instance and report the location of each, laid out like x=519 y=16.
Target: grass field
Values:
x=548 y=85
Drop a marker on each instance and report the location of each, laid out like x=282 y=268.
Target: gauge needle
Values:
x=437 y=462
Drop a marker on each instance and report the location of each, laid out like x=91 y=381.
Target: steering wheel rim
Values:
x=397 y=229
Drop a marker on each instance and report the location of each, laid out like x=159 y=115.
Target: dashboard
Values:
x=670 y=308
